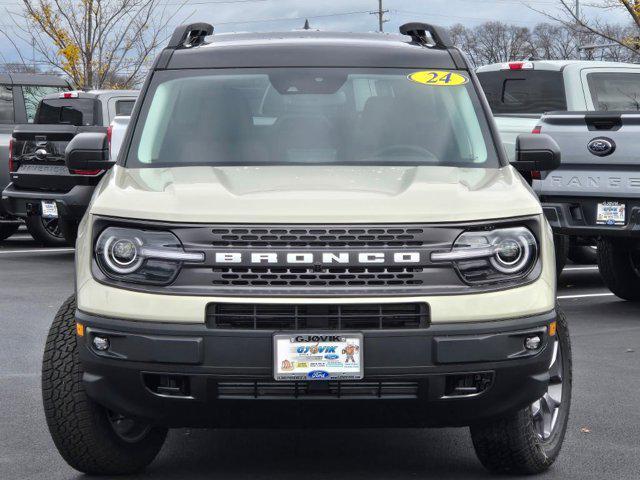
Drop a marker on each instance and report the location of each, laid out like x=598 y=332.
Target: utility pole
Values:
x=380 y=13
x=577 y=25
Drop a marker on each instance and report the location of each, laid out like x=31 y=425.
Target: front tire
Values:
x=619 y=265
x=529 y=441
x=90 y=438
x=46 y=231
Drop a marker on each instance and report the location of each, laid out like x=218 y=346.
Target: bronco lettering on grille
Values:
x=321 y=258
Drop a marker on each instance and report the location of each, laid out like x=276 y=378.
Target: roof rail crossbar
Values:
x=189 y=35
x=418 y=33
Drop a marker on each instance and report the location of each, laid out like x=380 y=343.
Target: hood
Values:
x=314 y=194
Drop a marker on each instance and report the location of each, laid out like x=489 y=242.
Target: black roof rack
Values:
x=189 y=35
x=312 y=49
x=418 y=33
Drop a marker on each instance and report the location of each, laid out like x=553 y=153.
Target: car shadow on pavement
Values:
x=317 y=454
x=582 y=279
x=19 y=242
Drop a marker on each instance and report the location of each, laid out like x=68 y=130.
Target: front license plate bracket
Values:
x=318 y=356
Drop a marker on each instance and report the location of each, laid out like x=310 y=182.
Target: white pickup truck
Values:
x=116 y=132
x=520 y=92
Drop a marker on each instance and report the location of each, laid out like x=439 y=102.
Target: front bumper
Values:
x=224 y=378
x=72 y=204
x=577 y=216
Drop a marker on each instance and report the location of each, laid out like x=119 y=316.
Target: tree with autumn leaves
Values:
x=97 y=43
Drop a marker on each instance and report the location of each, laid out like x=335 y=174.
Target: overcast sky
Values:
x=338 y=15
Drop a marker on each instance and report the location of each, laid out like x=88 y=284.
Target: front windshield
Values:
x=309 y=116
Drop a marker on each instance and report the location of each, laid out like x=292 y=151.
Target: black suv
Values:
x=43 y=191
x=20 y=94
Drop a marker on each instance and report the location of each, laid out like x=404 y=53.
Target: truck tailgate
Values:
x=600 y=154
x=38 y=156
x=510 y=126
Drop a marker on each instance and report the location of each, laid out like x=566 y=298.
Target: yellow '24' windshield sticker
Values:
x=438 y=77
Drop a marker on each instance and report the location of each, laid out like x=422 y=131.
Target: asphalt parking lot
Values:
x=603 y=440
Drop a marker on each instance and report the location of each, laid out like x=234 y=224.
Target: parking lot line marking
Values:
x=39 y=250
x=571 y=269
x=585 y=295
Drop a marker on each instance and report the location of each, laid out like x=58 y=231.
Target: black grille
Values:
x=309 y=277
x=317 y=260
x=284 y=237
x=317 y=390
x=317 y=317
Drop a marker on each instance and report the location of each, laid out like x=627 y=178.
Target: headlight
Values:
x=141 y=256
x=492 y=256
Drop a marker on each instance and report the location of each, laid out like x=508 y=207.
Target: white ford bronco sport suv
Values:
x=310 y=229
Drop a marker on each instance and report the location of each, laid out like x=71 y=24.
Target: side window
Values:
x=124 y=107
x=6 y=104
x=612 y=91
x=32 y=96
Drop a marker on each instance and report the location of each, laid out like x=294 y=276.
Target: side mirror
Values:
x=536 y=152
x=88 y=151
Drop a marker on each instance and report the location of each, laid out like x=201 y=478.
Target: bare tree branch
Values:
x=581 y=25
x=96 y=43
x=497 y=42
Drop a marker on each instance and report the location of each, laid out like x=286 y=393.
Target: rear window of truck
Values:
x=69 y=111
x=611 y=91
x=523 y=91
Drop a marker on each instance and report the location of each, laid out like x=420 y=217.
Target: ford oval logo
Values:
x=318 y=375
x=601 y=146
x=331 y=356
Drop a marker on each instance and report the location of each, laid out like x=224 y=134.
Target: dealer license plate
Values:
x=49 y=209
x=318 y=356
x=611 y=213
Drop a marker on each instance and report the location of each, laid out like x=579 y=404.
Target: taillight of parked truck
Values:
x=535 y=174
x=11 y=155
x=86 y=172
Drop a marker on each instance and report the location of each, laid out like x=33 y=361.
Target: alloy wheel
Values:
x=546 y=410
x=52 y=226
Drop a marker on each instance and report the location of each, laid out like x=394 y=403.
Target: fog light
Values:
x=532 y=343
x=101 y=343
